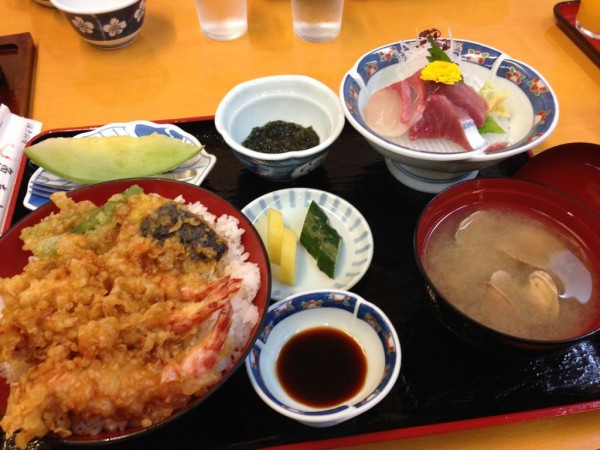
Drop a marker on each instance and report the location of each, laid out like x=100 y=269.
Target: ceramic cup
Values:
x=106 y=24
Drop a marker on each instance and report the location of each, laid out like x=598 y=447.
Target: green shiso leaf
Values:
x=436 y=53
x=491 y=127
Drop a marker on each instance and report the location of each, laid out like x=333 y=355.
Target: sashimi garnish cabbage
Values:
x=435 y=101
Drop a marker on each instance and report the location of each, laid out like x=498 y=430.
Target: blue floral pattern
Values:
x=102 y=29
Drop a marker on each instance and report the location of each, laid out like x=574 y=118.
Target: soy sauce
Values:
x=321 y=367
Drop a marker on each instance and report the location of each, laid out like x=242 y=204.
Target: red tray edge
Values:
x=441 y=428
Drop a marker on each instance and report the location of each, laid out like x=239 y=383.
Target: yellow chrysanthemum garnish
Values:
x=441 y=72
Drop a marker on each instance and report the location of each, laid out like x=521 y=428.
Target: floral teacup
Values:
x=104 y=23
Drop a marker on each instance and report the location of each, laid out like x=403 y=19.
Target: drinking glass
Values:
x=588 y=18
x=222 y=20
x=317 y=20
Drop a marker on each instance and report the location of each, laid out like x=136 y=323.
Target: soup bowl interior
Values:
x=11 y=244
x=572 y=221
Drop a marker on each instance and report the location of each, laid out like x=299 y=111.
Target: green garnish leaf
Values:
x=436 y=53
x=491 y=126
x=103 y=215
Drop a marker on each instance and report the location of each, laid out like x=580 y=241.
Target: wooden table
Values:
x=172 y=71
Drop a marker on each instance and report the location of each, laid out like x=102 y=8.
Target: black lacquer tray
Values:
x=445 y=383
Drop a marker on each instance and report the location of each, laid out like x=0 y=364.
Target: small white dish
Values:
x=44 y=181
x=298 y=99
x=356 y=252
x=341 y=310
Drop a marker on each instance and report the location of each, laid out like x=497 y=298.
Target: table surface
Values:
x=172 y=71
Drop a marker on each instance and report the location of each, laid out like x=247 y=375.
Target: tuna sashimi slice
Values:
x=392 y=110
x=443 y=119
x=463 y=96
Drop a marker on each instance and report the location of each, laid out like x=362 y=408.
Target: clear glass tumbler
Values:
x=222 y=20
x=317 y=20
x=588 y=18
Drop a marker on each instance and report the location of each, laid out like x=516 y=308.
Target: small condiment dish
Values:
x=105 y=24
x=336 y=310
x=291 y=98
x=356 y=252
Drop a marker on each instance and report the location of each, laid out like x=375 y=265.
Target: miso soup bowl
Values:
x=291 y=98
x=556 y=209
x=341 y=310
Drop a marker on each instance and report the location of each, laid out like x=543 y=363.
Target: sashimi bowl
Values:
x=431 y=140
x=132 y=362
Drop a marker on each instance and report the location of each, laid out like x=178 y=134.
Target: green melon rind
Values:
x=95 y=159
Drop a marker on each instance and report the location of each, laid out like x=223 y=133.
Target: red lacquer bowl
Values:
x=554 y=208
x=10 y=244
x=573 y=168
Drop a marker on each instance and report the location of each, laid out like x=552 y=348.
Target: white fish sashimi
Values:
x=394 y=109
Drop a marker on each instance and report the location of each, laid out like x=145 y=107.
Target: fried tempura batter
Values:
x=110 y=327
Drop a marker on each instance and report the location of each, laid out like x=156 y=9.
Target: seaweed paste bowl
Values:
x=431 y=165
x=335 y=312
x=511 y=265
x=297 y=99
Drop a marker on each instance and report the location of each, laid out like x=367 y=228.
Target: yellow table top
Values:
x=172 y=71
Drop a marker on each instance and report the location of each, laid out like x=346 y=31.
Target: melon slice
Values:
x=95 y=159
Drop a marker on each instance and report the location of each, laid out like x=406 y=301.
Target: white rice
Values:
x=235 y=263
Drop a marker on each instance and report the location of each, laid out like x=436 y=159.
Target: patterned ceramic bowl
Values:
x=431 y=165
x=290 y=98
x=104 y=23
x=335 y=310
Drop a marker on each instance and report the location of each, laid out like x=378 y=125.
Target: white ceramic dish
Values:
x=341 y=310
x=44 y=182
x=356 y=252
x=298 y=99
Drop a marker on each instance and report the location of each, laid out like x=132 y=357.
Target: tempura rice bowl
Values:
x=244 y=233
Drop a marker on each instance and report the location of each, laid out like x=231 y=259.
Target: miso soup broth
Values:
x=514 y=273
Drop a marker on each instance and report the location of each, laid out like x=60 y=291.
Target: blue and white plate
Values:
x=43 y=183
x=356 y=252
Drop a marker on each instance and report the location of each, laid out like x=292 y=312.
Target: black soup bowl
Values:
x=453 y=212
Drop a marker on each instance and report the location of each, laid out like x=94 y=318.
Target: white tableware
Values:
x=357 y=247
x=42 y=183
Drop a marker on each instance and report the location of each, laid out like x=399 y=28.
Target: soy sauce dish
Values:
x=356 y=365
